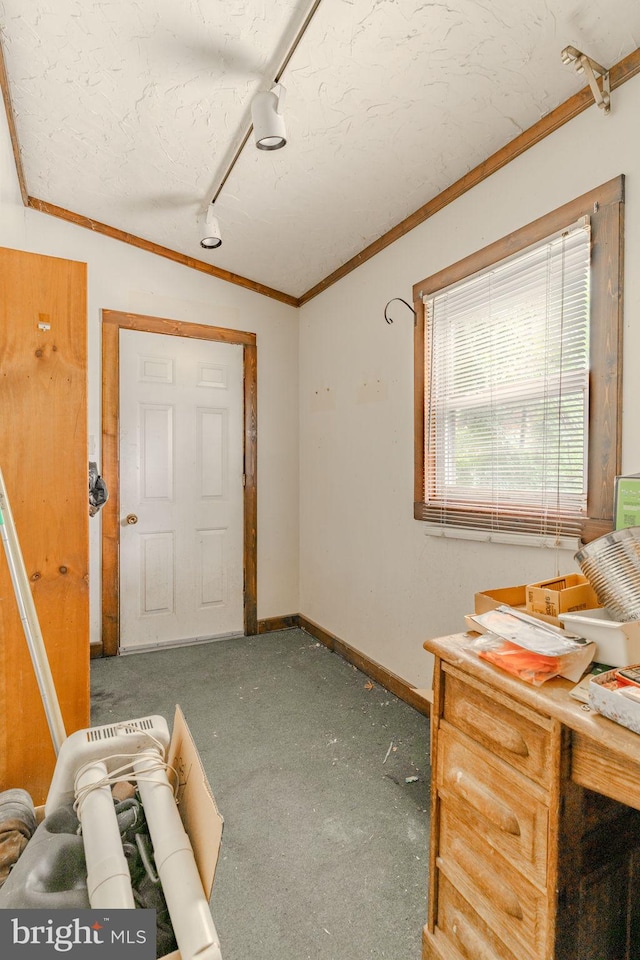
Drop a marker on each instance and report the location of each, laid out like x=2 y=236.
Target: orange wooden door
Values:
x=43 y=457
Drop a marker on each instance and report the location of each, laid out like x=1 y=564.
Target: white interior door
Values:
x=181 y=492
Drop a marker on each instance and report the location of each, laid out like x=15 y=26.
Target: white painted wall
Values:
x=368 y=573
x=120 y=277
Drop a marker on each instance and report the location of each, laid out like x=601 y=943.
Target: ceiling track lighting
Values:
x=211 y=236
x=592 y=70
x=268 y=122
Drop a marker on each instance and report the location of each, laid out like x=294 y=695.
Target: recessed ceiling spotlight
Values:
x=212 y=237
x=268 y=121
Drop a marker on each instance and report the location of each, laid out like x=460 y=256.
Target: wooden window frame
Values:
x=605 y=208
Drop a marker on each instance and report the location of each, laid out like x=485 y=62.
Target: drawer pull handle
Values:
x=490 y=883
x=499 y=733
x=482 y=800
x=473 y=945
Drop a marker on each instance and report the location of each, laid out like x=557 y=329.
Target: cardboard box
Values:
x=511 y=597
x=561 y=595
x=626 y=501
x=196 y=805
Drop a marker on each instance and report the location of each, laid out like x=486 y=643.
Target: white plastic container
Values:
x=618 y=641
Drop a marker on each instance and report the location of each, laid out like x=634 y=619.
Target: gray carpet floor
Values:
x=322 y=778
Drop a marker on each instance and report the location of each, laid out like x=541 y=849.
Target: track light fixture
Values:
x=592 y=70
x=211 y=237
x=268 y=122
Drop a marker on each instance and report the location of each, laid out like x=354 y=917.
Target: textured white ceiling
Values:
x=128 y=111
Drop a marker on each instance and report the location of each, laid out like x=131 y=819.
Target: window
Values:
x=518 y=378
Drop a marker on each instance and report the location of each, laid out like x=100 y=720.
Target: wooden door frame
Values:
x=112 y=322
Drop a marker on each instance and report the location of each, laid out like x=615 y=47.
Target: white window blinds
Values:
x=506 y=392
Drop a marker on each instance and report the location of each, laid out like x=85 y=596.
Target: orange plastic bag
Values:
x=533 y=667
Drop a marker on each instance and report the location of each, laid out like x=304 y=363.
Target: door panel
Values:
x=156 y=573
x=211 y=573
x=181 y=460
x=212 y=442
x=156 y=454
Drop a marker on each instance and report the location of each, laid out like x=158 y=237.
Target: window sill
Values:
x=499 y=536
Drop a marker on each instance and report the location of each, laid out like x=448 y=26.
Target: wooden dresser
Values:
x=535 y=852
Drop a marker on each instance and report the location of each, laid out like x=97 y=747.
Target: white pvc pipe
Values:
x=108 y=877
x=191 y=918
x=30 y=624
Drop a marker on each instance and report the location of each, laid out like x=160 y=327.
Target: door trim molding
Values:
x=112 y=322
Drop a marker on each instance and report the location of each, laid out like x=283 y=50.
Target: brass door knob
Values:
x=131 y=518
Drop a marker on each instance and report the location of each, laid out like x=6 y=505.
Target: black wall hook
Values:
x=388 y=318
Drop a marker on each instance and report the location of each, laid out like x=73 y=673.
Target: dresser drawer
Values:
x=508 y=729
x=460 y=927
x=495 y=802
x=514 y=910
